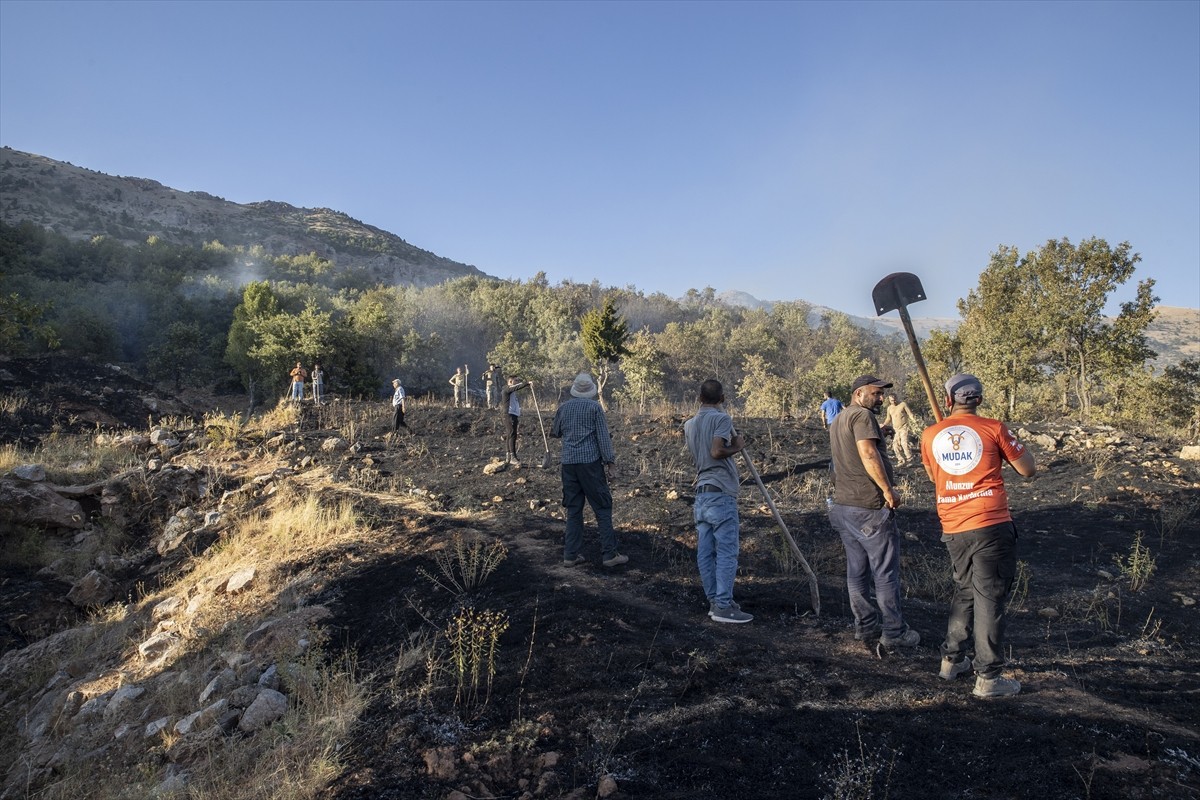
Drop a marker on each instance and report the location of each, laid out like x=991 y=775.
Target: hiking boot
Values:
x=998 y=686
x=864 y=632
x=730 y=614
x=574 y=562
x=712 y=606
x=616 y=560
x=951 y=669
x=909 y=638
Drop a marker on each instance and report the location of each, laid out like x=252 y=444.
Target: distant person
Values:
x=318 y=383
x=863 y=512
x=903 y=423
x=491 y=381
x=587 y=457
x=830 y=408
x=398 y=407
x=963 y=455
x=508 y=398
x=299 y=375
x=459 y=382
x=713 y=443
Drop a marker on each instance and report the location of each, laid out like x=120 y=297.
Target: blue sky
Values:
x=789 y=150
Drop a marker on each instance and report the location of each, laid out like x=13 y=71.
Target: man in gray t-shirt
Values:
x=713 y=443
x=863 y=514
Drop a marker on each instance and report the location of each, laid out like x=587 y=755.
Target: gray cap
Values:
x=964 y=387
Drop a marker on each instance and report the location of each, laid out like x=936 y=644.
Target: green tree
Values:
x=1002 y=337
x=604 y=335
x=1073 y=286
x=643 y=370
x=764 y=393
x=179 y=355
x=258 y=305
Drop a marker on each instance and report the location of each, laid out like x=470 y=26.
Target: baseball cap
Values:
x=868 y=380
x=963 y=387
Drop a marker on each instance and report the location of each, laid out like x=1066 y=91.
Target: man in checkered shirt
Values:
x=587 y=454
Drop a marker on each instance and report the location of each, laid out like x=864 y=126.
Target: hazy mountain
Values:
x=82 y=203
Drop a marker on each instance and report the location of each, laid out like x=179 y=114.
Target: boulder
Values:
x=1190 y=452
x=120 y=698
x=267 y=707
x=30 y=472
x=157 y=645
x=38 y=504
x=93 y=589
x=334 y=444
x=240 y=581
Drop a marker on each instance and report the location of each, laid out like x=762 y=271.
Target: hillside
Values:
x=82 y=203
x=282 y=609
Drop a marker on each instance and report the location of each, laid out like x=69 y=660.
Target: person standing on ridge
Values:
x=863 y=512
x=318 y=383
x=713 y=443
x=963 y=455
x=299 y=374
x=587 y=456
x=491 y=381
x=398 y=407
x=508 y=398
x=459 y=382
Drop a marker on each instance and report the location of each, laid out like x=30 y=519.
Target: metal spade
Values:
x=894 y=293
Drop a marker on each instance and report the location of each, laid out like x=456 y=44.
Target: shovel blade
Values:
x=896 y=291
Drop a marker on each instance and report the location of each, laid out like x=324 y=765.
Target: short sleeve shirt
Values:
x=852 y=486
x=964 y=453
x=699 y=432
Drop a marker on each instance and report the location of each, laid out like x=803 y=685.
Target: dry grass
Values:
x=69 y=460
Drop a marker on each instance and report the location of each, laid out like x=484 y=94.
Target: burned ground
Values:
x=615 y=680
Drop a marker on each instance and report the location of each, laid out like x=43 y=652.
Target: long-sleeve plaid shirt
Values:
x=581 y=425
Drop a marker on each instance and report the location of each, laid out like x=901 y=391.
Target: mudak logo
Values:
x=957 y=449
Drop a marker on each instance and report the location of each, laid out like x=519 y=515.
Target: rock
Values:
x=212 y=518
x=440 y=763
x=154 y=464
x=157 y=646
x=203 y=719
x=165 y=609
x=1048 y=612
x=607 y=787
x=240 y=580
x=30 y=472
x=334 y=444
x=672 y=494
x=120 y=698
x=93 y=589
x=498 y=499
x=276 y=441
x=495 y=466
x=269 y=706
x=38 y=504
x=269 y=678
x=1046 y=441
x=1190 y=452
x=160 y=435
x=1103 y=573
x=155 y=727
x=244 y=696
x=224 y=680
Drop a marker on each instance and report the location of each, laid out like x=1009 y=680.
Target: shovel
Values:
x=894 y=293
x=545 y=441
x=814 y=589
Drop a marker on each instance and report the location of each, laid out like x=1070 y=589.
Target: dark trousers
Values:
x=398 y=419
x=587 y=482
x=985 y=564
x=871 y=540
x=513 y=419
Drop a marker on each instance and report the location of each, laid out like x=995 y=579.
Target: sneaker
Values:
x=730 y=614
x=712 y=606
x=514 y=462
x=864 y=632
x=951 y=669
x=909 y=638
x=616 y=560
x=574 y=562
x=998 y=686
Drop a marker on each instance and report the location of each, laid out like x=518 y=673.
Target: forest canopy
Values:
x=236 y=318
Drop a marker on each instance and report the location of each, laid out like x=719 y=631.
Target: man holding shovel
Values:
x=713 y=443
x=508 y=398
x=587 y=456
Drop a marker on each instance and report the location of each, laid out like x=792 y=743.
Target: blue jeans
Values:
x=985 y=564
x=718 y=531
x=872 y=544
x=580 y=482
x=297 y=390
